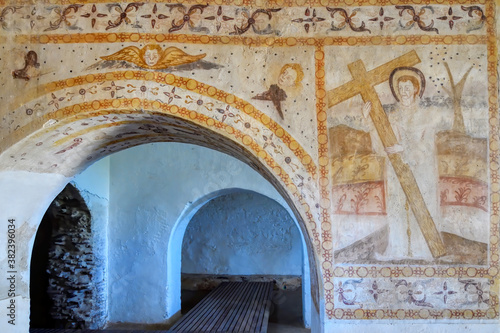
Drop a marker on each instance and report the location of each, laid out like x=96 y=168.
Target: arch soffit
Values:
x=77 y=97
x=97 y=127
x=101 y=126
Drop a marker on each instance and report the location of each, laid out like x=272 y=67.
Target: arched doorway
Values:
x=174 y=153
x=230 y=238
x=44 y=165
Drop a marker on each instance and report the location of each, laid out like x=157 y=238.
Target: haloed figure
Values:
x=290 y=77
x=408 y=121
x=409 y=88
x=415 y=127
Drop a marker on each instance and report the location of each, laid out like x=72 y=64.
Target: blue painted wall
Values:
x=242 y=234
x=150 y=187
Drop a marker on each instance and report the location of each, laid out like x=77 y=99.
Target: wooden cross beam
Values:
x=363 y=84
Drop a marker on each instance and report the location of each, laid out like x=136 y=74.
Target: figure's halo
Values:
x=406 y=71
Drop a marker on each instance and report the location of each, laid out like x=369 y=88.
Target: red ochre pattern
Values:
x=251 y=41
x=268 y=4
x=195 y=86
x=413 y=314
x=326 y=223
x=419 y=272
x=494 y=146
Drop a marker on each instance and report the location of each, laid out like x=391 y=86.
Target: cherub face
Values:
x=407 y=92
x=151 y=57
x=287 y=78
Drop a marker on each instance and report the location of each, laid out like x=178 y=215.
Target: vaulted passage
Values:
x=108 y=251
x=245 y=236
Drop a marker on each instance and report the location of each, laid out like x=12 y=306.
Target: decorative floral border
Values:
x=223 y=20
x=109 y=83
x=276 y=3
x=413 y=293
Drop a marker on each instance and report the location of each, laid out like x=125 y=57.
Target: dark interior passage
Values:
x=67 y=283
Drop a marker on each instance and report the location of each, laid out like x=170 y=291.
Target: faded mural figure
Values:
x=382 y=131
x=415 y=135
x=152 y=56
x=430 y=145
x=290 y=77
x=30 y=64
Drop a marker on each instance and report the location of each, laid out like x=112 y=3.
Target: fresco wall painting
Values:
x=380 y=120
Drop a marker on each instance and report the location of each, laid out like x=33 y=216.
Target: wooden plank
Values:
x=231 y=307
x=224 y=327
x=252 y=323
x=226 y=308
x=204 y=313
x=252 y=300
x=256 y=323
x=189 y=318
x=222 y=308
x=217 y=310
x=242 y=307
x=250 y=303
x=253 y=307
x=267 y=312
x=263 y=314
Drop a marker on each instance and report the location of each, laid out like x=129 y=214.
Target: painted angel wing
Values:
x=129 y=54
x=173 y=56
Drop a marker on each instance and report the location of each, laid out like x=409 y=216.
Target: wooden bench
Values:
x=231 y=307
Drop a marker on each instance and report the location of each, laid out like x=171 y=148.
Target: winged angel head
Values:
x=152 y=56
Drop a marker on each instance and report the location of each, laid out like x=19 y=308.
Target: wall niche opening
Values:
x=244 y=236
x=67 y=278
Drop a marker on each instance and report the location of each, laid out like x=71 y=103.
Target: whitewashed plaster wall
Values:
x=94 y=180
x=389 y=326
x=242 y=234
x=150 y=187
x=24 y=199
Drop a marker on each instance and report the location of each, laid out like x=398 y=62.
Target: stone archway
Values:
x=49 y=157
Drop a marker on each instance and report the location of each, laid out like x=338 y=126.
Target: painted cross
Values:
x=363 y=84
